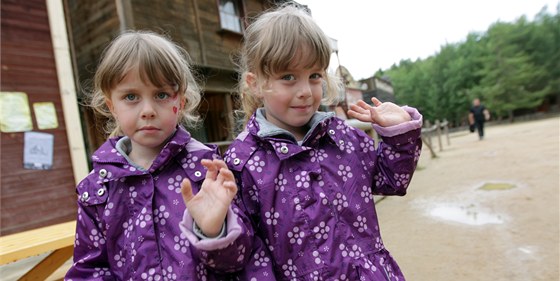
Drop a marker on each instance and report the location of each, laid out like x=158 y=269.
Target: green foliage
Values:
x=511 y=66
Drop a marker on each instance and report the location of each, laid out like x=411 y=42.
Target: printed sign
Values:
x=38 y=151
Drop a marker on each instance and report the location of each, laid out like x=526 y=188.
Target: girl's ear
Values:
x=183 y=102
x=109 y=104
x=252 y=81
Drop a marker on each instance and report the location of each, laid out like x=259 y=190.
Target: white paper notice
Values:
x=38 y=151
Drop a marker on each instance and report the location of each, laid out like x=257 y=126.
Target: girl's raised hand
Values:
x=385 y=114
x=210 y=205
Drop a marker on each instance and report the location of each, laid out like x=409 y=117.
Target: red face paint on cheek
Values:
x=174 y=98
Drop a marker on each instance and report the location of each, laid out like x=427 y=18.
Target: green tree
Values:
x=509 y=77
x=511 y=67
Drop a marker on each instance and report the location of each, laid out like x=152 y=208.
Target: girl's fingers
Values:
x=226 y=174
x=212 y=170
x=375 y=101
x=217 y=171
x=186 y=190
x=230 y=186
x=362 y=104
x=220 y=164
x=374 y=115
x=359 y=108
x=222 y=171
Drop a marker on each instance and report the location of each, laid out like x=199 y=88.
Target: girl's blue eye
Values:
x=316 y=76
x=162 y=95
x=130 y=97
x=288 y=77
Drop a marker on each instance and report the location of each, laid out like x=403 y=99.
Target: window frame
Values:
x=228 y=21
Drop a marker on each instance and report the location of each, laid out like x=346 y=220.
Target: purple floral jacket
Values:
x=312 y=203
x=128 y=222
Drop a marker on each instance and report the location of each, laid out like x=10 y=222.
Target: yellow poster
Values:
x=15 y=115
x=45 y=115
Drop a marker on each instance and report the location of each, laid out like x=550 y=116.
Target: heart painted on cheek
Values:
x=175 y=110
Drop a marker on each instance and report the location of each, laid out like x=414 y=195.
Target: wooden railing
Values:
x=222 y=145
x=437 y=130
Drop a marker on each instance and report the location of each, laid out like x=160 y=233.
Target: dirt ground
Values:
x=448 y=228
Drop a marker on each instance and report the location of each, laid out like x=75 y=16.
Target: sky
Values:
x=375 y=34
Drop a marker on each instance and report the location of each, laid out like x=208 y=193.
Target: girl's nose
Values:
x=148 y=110
x=305 y=90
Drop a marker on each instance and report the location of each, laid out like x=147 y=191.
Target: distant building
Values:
x=381 y=88
x=49 y=53
x=365 y=89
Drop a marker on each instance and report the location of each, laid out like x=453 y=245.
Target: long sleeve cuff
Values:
x=413 y=124
x=232 y=231
x=198 y=232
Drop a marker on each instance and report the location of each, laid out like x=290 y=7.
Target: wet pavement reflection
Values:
x=470 y=214
x=466 y=215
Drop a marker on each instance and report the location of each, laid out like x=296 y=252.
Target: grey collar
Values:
x=267 y=129
x=124 y=146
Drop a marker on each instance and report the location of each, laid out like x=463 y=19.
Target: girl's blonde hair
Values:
x=159 y=61
x=270 y=46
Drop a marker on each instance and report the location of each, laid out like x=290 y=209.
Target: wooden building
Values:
x=379 y=87
x=49 y=53
x=37 y=98
x=210 y=30
x=350 y=94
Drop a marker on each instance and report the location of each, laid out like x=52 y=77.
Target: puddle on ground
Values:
x=497 y=186
x=526 y=250
x=465 y=215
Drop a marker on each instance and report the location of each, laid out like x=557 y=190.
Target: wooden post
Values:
x=427 y=138
x=446 y=130
x=429 y=145
x=438 y=131
x=428 y=133
x=61 y=49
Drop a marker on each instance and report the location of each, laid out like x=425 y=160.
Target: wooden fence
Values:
x=437 y=130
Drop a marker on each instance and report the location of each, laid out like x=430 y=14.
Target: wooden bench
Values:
x=57 y=239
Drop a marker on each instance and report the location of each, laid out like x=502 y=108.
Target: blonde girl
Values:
x=132 y=222
x=305 y=177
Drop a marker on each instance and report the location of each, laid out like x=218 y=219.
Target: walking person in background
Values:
x=131 y=204
x=306 y=178
x=478 y=114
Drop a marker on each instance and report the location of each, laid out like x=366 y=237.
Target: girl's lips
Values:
x=301 y=107
x=148 y=128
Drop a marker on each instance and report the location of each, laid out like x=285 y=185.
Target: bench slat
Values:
x=50 y=264
x=36 y=241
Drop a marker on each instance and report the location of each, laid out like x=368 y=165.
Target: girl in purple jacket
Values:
x=305 y=177
x=131 y=205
